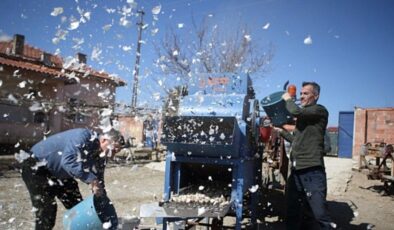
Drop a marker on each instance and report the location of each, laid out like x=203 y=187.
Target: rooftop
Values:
x=37 y=60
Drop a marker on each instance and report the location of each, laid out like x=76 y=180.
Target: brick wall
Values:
x=372 y=125
x=131 y=126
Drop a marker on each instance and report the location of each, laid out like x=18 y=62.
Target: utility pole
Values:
x=140 y=25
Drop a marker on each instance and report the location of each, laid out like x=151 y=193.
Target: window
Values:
x=75 y=111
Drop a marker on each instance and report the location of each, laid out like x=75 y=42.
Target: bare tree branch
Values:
x=210 y=50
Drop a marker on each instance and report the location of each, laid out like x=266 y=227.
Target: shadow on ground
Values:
x=342 y=212
x=382 y=190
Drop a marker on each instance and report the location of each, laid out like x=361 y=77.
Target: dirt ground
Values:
x=354 y=201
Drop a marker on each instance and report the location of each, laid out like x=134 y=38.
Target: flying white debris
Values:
x=51 y=182
x=61 y=109
x=104 y=94
x=132 y=3
x=107 y=27
x=180 y=25
x=156 y=9
x=110 y=10
x=12 y=99
x=96 y=53
x=57 y=11
x=57 y=52
x=72 y=76
x=247 y=37
x=308 y=40
x=124 y=22
x=201 y=211
x=86 y=86
x=85 y=16
x=211 y=131
x=156 y=96
x=73 y=25
x=126 y=10
x=60 y=35
x=70 y=62
x=106 y=112
x=107 y=225
x=1 y=83
x=16 y=73
x=266 y=26
x=22 y=84
x=175 y=53
x=154 y=31
x=126 y=48
x=55 y=40
x=254 y=188
x=21 y=156
x=144 y=26
x=78 y=43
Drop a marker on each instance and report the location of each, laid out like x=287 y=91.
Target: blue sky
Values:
x=351 y=54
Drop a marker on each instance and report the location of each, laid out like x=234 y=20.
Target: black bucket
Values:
x=275 y=108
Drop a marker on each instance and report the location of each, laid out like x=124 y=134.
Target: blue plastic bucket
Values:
x=275 y=108
x=82 y=216
x=90 y=214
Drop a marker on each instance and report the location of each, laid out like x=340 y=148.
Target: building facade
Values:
x=41 y=94
x=373 y=125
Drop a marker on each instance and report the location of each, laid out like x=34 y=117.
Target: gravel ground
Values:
x=354 y=201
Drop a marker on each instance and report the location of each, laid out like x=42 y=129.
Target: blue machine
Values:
x=212 y=143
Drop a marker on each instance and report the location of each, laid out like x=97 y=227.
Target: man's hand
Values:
x=289 y=128
x=97 y=188
x=277 y=129
x=286 y=96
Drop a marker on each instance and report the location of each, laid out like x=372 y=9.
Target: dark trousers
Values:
x=43 y=189
x=306 y=200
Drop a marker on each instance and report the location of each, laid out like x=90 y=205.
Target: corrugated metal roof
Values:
x=31 y=60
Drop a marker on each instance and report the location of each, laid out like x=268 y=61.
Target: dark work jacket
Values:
x=72 y=154
x=307 y=140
